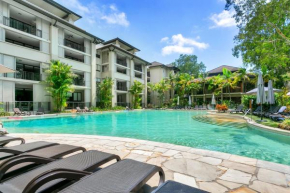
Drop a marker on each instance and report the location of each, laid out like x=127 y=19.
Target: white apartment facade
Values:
x=118 y=60
x=34 y=32
x=156 y=72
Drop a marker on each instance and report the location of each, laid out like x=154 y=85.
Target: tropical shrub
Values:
x=285 y=124
x=221 y=108
x=136 y=90
x=246 y=100
x=59 y=83
x=116 y=108
x=105 y=89
x=161 y=88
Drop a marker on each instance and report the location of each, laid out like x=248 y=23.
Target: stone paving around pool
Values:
x=208 y=170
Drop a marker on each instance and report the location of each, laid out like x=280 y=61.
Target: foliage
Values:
x=285 y=124
x=246 y=100
x=59 y=83
x=281 y=97
x=189 y=64
x=136 y=90
x=105 y=90
x=161 y=88
x=264 y=30
x=116 y=108
x=227 y=81
x=222 y=107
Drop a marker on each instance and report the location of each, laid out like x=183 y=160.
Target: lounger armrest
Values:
x=158 y=170
x=12 y=151
x=13 y=139
x=9 y=163
x=51 y=175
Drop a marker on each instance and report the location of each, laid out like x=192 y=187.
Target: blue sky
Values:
x=163 y=29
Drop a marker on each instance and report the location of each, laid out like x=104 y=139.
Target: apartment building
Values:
x=117 y=59
x=156 y=72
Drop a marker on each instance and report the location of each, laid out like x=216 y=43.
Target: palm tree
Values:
x=215 y=83
x=161 y=88
x=171 y=81
x=136 y=89
x=105 y=89
x=241 y=76
x=203 y=80
x=228 y=81
x=59 y=82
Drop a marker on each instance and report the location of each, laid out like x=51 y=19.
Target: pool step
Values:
x=209 y=120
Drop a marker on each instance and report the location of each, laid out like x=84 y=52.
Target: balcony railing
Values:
x=76 y=59
x=30 y=106
x=138 y=68
x=74 y=45
x=79 y=82
x=21 y=44
x=122 y=88
x=122 y=62
x=123 y=104
x=19 y=25
x=25 y=75
x=74 y=105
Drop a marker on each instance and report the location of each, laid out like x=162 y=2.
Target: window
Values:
x=98 y=68
x=75 y=97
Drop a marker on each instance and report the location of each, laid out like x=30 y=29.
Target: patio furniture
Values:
x=273 y=110
x=280 y=112
x=27 y=147
x=239 y=109
x=176 y=187
x=124 y=176
x=40 y=111
x=79 y=110
x=84 y=162
x=52 y=152
x=257 y=110
x=196 y=107
x=18 y=112
x=4 y=140
x=87 y=110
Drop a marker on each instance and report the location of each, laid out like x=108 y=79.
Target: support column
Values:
x=112 y=70
x=54 y=42
x=146 y=89
x=93 y=75
x=132 y=76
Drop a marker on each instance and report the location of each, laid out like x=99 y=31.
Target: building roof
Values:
x=220 y=69
x=59 y=6
x=120 y=40
x=155 y=64
x=123 y=50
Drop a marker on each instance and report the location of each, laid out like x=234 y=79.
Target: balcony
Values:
x=19 y=25
x=138 y=68
x=25 y=75
x=122 y=62
x=74 y=45
x=79 y=82
x=122 y=88
x=22 y=44
x=73 y=58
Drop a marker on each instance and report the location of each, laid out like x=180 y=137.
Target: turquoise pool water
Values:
x=177 y=127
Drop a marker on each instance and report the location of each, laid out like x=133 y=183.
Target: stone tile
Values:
x=170 y=153
x=156 y=161
x=160 y=149
x=178 y=156
x=239 y=166
x=145 y=147
x=210 y=160
x=229 y=185
x=132 y=144
x=273 y=166
x=142 y=152
x=243 y=160
x=272 y=177
x=115 y=143
x=122 y=154
x=288 y=179
x=212 y=187
x=180 y=148
x=137 y=157
x=188 y=180
x=176 y=165
x=236 y=176
x=243 y=190
x=268 y=188
x=208 y=153
x=187 y=155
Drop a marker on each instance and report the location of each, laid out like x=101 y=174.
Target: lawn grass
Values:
x=267 y=122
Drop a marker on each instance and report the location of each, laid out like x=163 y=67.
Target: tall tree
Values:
x=106 y=95
x=189 y=64
x=161 y=88
x=59 y=82
x=136 y=90
x=228 y=81
x=264 y=33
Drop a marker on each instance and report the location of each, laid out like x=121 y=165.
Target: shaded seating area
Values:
x=239 y=109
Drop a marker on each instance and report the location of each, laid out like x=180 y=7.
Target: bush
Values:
x=246 y=100
x=222 y=108
x=285 y=124
x=116 y=108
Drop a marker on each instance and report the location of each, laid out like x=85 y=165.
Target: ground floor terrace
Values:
x=208 y=170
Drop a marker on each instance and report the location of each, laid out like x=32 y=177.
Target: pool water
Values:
x=176 y=127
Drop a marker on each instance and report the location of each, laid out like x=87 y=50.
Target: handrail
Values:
x=74 y=45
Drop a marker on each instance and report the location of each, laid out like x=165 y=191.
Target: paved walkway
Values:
x=208 y=170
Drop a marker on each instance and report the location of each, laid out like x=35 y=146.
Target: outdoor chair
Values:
x=200 y=107
x=87 y=110
x=176 y=187
x=79 y=110
x=196 y=107
x=18 y=112
x=6 y=152
x=239 y=109
x=124 y=176
x=51 y=152
x=83 y=162
x=257 y=110
x=40 y=111
x=4 y=140
x=273 y=110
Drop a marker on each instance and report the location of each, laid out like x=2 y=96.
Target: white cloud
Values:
x=94 y=13
x=223 y=19
x=165 y=39
x=181 y=45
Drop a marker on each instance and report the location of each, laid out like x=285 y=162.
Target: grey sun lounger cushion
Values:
x=18 y=149
x=6 y=139
x=175 y=187
x=124 y=176
x=53 y=152
x=87 y=161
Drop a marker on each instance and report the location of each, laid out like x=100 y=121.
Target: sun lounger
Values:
x=258 y=110
x=18 y=112
x=272 y=110
x=86 y=162
x=40 y=111
x=6 y=152
x=175 y=187
x=87 y=110
x=7 y=168
x=79 y=110
x=123 y=176
x=4 y=140
x=239 y=109
x=196 y=107
x=279 y=112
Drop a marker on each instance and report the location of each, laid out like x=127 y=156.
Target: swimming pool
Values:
x=176 y=127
